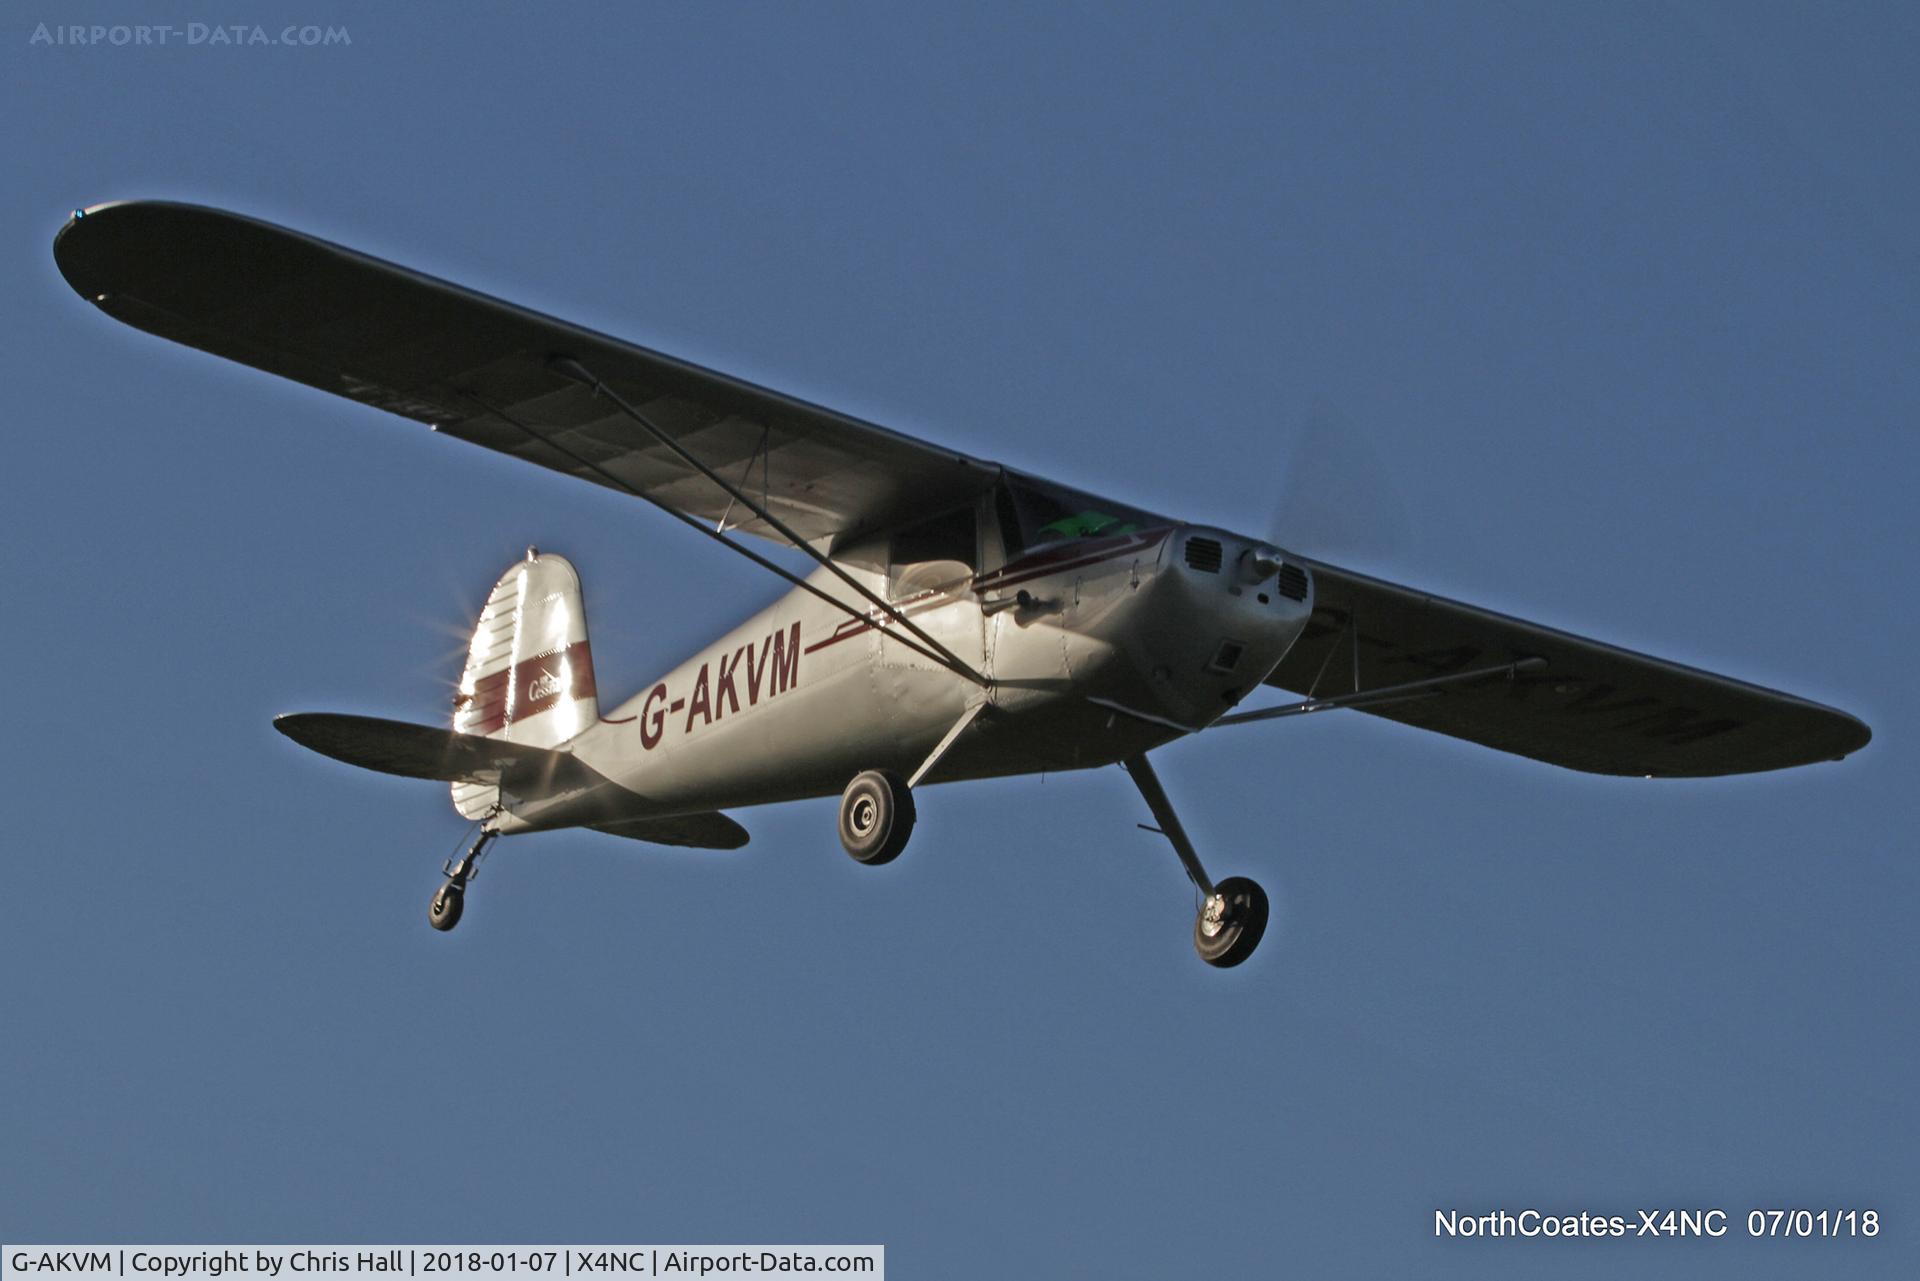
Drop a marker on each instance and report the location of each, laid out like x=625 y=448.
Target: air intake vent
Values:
x=1293 y=582
x=1203 y=554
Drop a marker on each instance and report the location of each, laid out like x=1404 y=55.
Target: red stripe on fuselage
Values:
x=485 y=709
x=1053 y=560
x=916 y=604
x=846 y=631
x=1065 y=556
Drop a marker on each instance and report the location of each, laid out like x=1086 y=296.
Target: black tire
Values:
x=1241 y=932
x=876 y=817
x=444 y=912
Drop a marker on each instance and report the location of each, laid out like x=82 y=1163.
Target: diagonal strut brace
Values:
x=572 y=370
x=717 y=536
x=1384 y=694
x=941 y=748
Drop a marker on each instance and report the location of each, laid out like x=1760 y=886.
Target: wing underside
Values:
x=487 y=372
x=482 y=370
x=1590 y=706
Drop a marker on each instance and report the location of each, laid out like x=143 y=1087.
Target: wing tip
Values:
x=1826 y=736
x=98 y=240
x=289 y=723
x=84 y=240
x=1855 y=733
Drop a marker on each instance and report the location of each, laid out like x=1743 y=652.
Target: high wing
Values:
x=495 y=374
x=1591 y=706
x=474 y=367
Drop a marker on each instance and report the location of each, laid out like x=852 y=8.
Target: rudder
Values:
x=529 y=671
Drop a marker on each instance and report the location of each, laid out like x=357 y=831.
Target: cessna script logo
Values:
x=751 y=673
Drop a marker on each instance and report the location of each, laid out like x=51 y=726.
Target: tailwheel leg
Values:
x=1233 y=914
x=449 y=901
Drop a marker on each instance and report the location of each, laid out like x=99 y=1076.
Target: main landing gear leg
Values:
x=450 y=900
x=1233 y=914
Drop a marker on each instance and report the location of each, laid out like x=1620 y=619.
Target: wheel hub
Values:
x=1213 y=915
x=865 y=815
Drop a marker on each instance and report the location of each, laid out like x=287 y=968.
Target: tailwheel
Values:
x=876 y=816
x=1231 y=922
x=448 y=902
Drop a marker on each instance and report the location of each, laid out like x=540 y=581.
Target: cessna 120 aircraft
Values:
x=963 y=619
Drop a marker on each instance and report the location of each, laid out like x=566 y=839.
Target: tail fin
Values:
x=529 y=673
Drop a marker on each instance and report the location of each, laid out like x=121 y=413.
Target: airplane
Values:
x=961 y=620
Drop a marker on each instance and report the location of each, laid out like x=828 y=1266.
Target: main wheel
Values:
x=444 y=912
x=1230 y=924
x=876 y=816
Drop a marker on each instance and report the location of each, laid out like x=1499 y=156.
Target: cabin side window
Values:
x=934 y=553
x=1006 y=517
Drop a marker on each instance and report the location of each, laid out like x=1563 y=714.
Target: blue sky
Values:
x=1622 y=299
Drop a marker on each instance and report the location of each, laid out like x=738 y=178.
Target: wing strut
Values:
x=717 y=536
x=940 y=749
x=574 y=371
x=1384 y=694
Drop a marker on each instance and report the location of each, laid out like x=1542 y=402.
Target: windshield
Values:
x=1033 y=516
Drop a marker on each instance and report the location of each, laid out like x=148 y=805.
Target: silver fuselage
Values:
x=1095 y=650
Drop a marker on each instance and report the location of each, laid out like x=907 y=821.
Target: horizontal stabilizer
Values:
x=691 y=831
x=421 y=751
